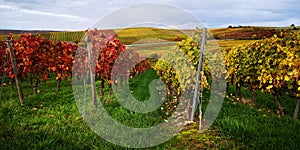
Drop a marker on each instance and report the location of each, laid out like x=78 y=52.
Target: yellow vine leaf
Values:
x=286 y=78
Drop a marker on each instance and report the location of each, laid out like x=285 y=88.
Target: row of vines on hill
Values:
x=38 y=57
x=177 y=69
x=105 y=52
x=271 y=65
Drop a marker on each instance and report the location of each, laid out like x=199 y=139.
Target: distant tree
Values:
x=294 y=27
x=230 y=26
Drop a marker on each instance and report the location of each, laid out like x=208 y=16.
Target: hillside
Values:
x=132 y=35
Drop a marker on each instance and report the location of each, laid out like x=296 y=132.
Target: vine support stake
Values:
x=196 y=98
x=15 y=69
x=91 y=66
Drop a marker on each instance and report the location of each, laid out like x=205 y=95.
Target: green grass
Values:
x=259 y=130
x=263 y=128
x=50 y=121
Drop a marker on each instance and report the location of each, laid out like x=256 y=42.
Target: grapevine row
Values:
x=271 y=65
x=38 y=57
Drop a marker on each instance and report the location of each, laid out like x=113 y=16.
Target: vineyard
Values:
x=268 y=66
x=126 y=36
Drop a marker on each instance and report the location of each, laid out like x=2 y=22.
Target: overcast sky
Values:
x=83 y=14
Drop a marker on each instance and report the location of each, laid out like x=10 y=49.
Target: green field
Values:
x=52 y=121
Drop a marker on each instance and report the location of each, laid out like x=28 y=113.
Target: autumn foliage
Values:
x=271 y=65
x=38 y=57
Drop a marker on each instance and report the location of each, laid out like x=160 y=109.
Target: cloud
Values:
x=36 y=12
x=280 y=23
x=15 y=17
x=272 y=13
x=81 y=14
x=148 y=13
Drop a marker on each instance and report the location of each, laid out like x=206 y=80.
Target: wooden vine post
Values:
x=15 y=69
x=91 y=67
